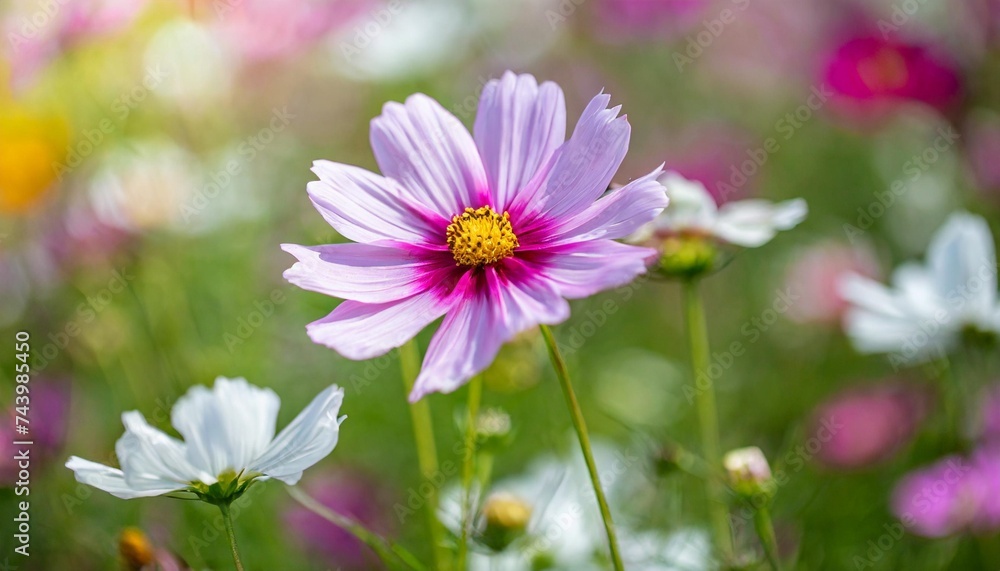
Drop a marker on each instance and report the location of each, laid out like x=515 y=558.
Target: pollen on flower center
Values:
x=480 y=236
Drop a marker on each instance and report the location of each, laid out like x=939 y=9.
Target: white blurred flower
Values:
x=747 y=469
x=692 y=211
x=229 y=442
x=929 y=307
x=143 y=186
x=565 y=530
x=196 y=67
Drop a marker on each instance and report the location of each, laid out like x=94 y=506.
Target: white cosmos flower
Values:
x=929 y=307
x=229 y=442
x=692 y=210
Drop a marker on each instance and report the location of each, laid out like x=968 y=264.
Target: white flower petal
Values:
x=962 y=260
x=112 y=480
x=753 y=223
x=691 y=205
x=307 y=440
x=149 y=457
x=227 y=427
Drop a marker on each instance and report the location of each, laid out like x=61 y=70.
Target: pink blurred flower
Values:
x=713 y=155
x=862 y=427
x=814 y=275
x=48 y=409
x=36 y=36
x=265 y=30
x=626 y=19
x=869 y=74
x=951 y=496
x=350 y=494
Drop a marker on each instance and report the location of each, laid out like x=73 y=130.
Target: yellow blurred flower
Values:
x=135 y=548
x=32 y=144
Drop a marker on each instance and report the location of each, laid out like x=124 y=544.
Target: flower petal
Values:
x=963 y=263
x=753 y=223
x=365 y=330
x=361 y=272
x=492 y=308
x=112 y=480
x=691 y=205
x=618 y=214
x=518 y=127
x=227 y=427
x=581 y=169
x=307 y=440
x=581 y=270
x=149 y=457
x=431 y=154
x=368 y=208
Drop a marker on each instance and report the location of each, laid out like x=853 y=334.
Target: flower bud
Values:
x=135 y=549
x=492 y=428
x=506 y=517
x=686 y=256
x=748 y=471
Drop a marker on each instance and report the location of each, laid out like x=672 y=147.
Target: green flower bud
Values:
x=687 y=256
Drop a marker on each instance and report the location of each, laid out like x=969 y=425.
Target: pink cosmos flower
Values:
x=953 y=495
x=815 y=273
x=627 y=19
x=263 y=30
x=868 y=73
x=493 y=231
x=860 y=428
x=36 y=37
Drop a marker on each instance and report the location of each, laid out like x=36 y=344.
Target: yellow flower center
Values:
x=480 y=236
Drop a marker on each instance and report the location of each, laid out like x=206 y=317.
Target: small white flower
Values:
x=748 y=223
x=229 y=442
x=929 y=307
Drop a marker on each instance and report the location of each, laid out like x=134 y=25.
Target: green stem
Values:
x=382 y=547
x=468 y=467
x=765 y=529
x=581 y=432
x=423 y=433
x=227 y=518
x=708 y=421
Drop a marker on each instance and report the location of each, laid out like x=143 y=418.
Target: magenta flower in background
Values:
x=349 y=494
x=862 y=427
x=951 y=496
x=493 y=231
x=867 y=73
x=815 y=273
